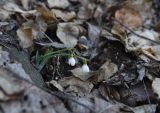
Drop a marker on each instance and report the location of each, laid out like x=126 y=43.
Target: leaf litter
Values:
x=115 y=40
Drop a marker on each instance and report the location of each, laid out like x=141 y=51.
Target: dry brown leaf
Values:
x=58 y=3
x=119 y=31
x=75 y=86
x=129 y=17
x=55 y=84
x=46 y=14
x=25 y=36
x=107 y=70
x=152 y=52
x=68 y=34
x=65 y=16
x=156 y=86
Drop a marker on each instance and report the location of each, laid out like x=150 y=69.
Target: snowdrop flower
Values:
x=71 y=61
x=85 y=68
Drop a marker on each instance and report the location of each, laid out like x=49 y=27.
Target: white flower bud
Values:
x=85 y=68
x=71 y=61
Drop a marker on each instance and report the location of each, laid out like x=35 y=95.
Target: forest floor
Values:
x=79 y=56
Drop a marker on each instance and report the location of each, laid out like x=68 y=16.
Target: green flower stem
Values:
x=55 y=52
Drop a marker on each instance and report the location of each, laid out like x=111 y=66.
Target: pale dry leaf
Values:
x=55 y=84
x=151 y=108
x=12 y=7
x=25 y=4
x=4 y=14
x=77 y=72
x=86 y=12
x=65 y=16
x=134 y=43
x=156 y=86
x=3 y=97
x=75 y=86
x=119 y=31
x=26 y=33
x=93 y=32
x=58 y=3
x=152 y=52
x=68 y=34
x=144 y=46
x=76 y=108
x=9 y=84
x=107 y=70
x=98 y=14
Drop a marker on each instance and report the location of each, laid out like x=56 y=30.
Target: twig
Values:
x=55 y=93
x=140 y=36
x=149 y=101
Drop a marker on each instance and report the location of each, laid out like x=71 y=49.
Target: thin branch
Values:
x=149 y=101
x=140 y=36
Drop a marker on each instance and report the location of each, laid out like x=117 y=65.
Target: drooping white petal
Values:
x=71 y=61
x=85 y=68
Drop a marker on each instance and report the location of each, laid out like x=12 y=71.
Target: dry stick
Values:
x=57 y=94
x=149 y=101
x=146 y=38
